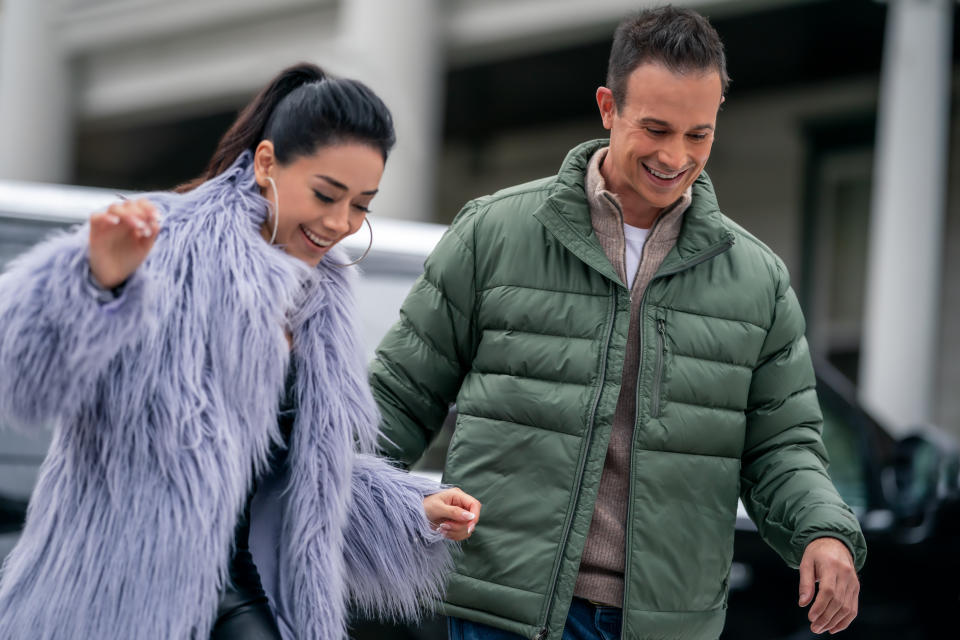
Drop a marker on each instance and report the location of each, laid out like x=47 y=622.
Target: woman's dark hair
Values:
x=301 y=110
x=682 y=40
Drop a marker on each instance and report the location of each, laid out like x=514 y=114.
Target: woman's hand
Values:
x=120 y=239
x=453 y=512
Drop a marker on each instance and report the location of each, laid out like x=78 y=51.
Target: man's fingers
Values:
x=826 y=600
x=843 y=623
x=821 y=620
x=848 y=610
x=807 y=582
x=833 y=621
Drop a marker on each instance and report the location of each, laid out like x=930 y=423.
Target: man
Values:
x=626 y=362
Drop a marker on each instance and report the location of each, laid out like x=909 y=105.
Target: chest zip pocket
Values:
x=658 y=372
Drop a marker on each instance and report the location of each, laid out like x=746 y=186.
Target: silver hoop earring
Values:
x=276 y=209
x=369 y=246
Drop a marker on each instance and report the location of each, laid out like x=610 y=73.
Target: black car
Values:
x=906 y=495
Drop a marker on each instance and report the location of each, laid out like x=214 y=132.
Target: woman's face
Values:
x=323 y=197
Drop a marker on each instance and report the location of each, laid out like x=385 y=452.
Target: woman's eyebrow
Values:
x=340 y=185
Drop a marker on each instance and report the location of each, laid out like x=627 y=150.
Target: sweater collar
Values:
x=566 y=213
x=606 y=213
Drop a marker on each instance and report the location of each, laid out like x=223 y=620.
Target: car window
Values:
x=842 y=440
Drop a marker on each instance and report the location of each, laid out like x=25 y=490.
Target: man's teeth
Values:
x=663 y=176
x=315 y=239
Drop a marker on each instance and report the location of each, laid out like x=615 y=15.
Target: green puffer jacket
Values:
x=522 y=321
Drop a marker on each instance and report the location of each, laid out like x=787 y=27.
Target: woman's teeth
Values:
x=315 y=239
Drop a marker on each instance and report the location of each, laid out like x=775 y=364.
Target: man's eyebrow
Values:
x=340 y=185
x=666 y=125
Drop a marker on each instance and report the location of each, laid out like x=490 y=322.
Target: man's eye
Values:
x=322 y=197
x=656 y=132
x=698 y=136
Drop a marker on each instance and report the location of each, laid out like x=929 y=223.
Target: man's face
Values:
x=660 y=140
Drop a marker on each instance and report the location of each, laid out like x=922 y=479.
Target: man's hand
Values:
x=828 y=561
x=453 y=512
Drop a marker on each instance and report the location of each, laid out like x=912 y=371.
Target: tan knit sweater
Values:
x=602 y=564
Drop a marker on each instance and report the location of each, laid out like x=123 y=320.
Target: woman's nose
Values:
x=338 y=220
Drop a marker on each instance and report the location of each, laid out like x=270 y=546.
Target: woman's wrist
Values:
x=100 y=292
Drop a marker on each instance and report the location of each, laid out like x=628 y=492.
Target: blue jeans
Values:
x=585 y=621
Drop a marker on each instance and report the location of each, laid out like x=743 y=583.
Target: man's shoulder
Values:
x=743 y=237
x=511 y=205
x=755 y=253
x=508 y=205
x=526 y=194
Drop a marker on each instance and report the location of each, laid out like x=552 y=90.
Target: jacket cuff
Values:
x=100 y=293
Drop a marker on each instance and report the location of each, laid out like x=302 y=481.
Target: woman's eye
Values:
x=360 y=207
x=322 y=197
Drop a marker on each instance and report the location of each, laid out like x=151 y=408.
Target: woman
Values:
x=211 y=471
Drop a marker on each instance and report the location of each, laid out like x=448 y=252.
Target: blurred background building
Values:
x=835 y=144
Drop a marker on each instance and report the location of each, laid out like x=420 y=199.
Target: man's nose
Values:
x=673 y=153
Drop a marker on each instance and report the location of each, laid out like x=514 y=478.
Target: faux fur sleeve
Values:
x=395 y=563
x=56 y=338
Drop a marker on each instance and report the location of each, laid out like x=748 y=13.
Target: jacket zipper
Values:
x=707 y=255
x=661 y=348
x=585 y=450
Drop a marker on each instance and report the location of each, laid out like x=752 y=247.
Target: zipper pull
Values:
x=541 y=635
x=662 y=327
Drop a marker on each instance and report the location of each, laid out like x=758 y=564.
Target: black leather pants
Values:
x=244 y=611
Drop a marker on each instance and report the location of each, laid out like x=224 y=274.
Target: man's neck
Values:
x=636 y=213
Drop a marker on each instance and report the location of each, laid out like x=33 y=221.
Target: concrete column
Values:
x=395 y=48
x=899 y=355
x=35 y=95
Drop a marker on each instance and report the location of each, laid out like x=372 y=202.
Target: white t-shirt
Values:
x=635 y=237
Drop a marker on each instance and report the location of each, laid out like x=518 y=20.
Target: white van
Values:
x=31 y=211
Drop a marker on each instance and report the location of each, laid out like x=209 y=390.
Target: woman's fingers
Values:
x=469 y=504
x=103 y=219
x=120 y=239
x=140 y=216
x=473 y=506
x=454 y=512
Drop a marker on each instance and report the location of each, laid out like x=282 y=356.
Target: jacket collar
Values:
x=566 y=214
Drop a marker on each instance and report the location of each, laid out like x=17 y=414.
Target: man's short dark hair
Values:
x=682 y=40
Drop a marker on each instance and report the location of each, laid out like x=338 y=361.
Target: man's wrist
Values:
x=833 y=536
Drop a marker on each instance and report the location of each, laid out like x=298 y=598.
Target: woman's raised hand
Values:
x=453 y=512
x=120 y=239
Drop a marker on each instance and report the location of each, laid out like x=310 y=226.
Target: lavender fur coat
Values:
x=164 y=407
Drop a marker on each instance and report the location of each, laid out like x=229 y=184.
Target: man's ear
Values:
x=607 y=105
x=264 y=162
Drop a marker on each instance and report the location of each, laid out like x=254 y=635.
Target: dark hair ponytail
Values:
x=300 y=110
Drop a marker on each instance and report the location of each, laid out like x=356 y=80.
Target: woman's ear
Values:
x=264 y=162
